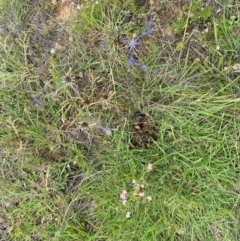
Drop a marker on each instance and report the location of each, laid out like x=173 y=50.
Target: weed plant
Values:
x=70 y=85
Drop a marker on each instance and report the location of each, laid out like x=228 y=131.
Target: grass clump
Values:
x=71 y=98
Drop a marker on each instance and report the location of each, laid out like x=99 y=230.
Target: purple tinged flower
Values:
x=131 y=61
x=132 y=43
x=141 y=194
x=124 y=192
x=122 y=196
x=137 y=186
x=37 y=99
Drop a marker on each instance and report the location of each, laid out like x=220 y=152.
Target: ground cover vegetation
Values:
x=119 y=120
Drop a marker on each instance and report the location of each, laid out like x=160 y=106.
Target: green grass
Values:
x=61 y=180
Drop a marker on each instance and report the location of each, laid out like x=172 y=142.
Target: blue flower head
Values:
x=131 y=61
x=37 y=99
x=148 y=24
x=148 y=31
x=142 y=66
x=105 y=130
x=131 y=43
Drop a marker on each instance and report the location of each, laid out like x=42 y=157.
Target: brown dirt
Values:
x=65 y=11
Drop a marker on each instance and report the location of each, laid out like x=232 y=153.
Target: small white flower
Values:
x=53 y=51
x=149 y=166
x=149 y=198
x=128 y=214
